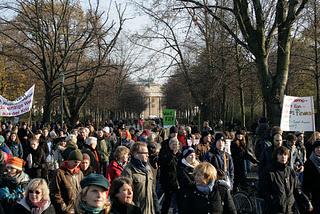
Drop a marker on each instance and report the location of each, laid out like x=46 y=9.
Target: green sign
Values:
x=169 y=118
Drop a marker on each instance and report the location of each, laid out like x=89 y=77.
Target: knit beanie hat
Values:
x=75 y=155
x=94 y=179
x=187 y=152
x=15 y=163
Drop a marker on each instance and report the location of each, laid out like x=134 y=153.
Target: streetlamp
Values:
x=62 y=90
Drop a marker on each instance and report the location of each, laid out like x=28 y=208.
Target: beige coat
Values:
x=144 y=195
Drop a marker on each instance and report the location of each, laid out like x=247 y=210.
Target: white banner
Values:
x=297 y=114
x=17 y=107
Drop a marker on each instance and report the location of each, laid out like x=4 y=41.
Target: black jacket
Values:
x=168 y=171
x=118 y=208
x=38 y=162
x=219 y=201
x=281 y=188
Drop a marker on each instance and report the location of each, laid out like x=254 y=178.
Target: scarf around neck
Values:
x=315 y=160
x=205 y=188
x=88 y=209
x=139 y=164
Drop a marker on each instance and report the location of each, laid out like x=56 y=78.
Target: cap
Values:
x=1 y=139
x=94 y=179
x=91 y=140
x=75 y=155
x=15 y=163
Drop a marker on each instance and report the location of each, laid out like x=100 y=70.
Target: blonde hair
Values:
x=120 y=152
x=207 y=170
x=39 y=183
x=79 y=200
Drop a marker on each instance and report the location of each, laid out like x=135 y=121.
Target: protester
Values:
x=15 y=145
x=207 y=195
x=13 y=184
x=65 y=185
x=104 y=150
x=121 y=196
x=309 y=144
x=282 y=187
x=90 y=148
x=85 y=165
x=221 y=160
x=139 y=170
x=239 y=154
x=36 y=199
x=168 y=174
x=185 y=176
x=204 y=146
x=93 y=199
x=311 y=184
x=3 y=146
x=35 y=158
x=114 y=169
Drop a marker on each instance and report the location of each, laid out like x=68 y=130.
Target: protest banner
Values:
x=17 y=107
x=169 y=118
x=297 y=114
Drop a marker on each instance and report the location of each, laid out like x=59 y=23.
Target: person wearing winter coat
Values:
x=90 y=148
x=221 y=160
x=185 y=176
x=65 y=185
x=121 y=196
x=15 y=145
x=208 y=195
x=139 y=171
x=311 y=178
x=36 y=199
x=282 y=187
x=239 y=154
x=114 y=169
x=3 y=146
x=13 y=183
x=35 y=158
x=168 y=173
x=104 y=150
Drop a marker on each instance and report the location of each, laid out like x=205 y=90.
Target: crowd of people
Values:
x=121 y=169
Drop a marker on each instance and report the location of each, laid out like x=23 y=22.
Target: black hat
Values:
x=316 y=144
x=173 y=129
x=187 y=152
x=219 y=136
x=94 y=179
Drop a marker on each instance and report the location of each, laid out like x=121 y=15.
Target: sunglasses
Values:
x=36 y=192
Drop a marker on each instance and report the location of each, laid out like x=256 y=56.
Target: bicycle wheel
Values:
x=243 y=203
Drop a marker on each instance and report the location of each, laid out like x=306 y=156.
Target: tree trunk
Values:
x=46 y=117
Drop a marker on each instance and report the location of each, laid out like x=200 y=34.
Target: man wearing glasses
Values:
x=139 y=170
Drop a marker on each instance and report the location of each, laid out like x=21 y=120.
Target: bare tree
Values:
x=54 y=38
x=261 y=23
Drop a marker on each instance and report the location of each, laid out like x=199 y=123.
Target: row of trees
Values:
x=63 y=46
x=235 y=59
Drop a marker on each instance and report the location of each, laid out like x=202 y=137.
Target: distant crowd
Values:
x=148 y=169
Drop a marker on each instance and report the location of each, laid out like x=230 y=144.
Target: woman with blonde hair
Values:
x=208 y=195
x=93 y=197
x=36 y=199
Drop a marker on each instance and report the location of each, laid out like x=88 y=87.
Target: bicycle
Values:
x=246 y=200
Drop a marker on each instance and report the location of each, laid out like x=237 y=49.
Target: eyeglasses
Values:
x=36 y=192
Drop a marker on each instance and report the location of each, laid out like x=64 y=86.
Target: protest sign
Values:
x=297 y=114
x=169 y=118
x=17 y=107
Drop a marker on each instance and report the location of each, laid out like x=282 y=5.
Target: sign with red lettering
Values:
x=297 y=114
x=17 y=107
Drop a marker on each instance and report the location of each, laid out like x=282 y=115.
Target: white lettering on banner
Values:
x=17 y=107
x=297 y=114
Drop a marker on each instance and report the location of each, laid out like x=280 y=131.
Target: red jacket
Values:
x=114 y=170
